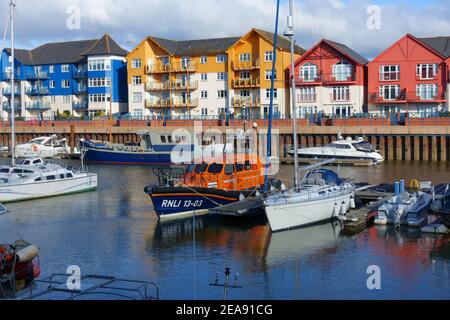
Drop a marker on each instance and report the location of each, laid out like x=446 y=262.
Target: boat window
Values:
x=26 y=163
x=69 y=175
x=170 y=139
x=38 y=179
x=248 y=165
x=363 y=146
x=17 y=171
x=52 y=177
x=37 y=141
x=201 y=168
x=229 y=169
x=239 y=167
x=62 y=176
x=3 y=180
x=4 y=170
x=215 y=168
x=190 y=168
x=36 y=161
x=163 y=139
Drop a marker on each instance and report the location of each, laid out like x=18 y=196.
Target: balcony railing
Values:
x=340 y=97
x=8 y=75
x=172 y=85
x=326 y=78
x=171 y=103
x=80 y=106
x=171 y=67
x=410 y=96
x=7 y=106
x=239 y=101
x=79 y=74
x=307 y=97
x=7 y=91
x=37 y=91
x=41 y=75
x=37 y=106
x=80 y=90
x=247 y=83
x=245 y=65
x=180 y=102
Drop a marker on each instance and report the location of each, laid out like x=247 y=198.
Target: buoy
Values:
x=343 y=208
x=27 y=254
x=283 y=187
x=335 y=210
x=352 y=203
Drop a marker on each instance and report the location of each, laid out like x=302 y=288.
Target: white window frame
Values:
x=275 y=94
x=204 y=77
x=427 y=91
x=390 y=72
x=136 y=80
x=342 y=71
x=307 y=94
x=65 y=84
x=65 y=68
x=51 y=69
x=269 y=75
x=245 y=57
x=136 y=64
x=204 y=94
x=244 y=75
x=309 y=72
x=137 y=97
x=221 y=76
x=341 y=93
x=203 y=60
x=221 y=58
x=431 y=71
x=393 y=92
x=52 y=84
x=268 y=56
x=222 y=94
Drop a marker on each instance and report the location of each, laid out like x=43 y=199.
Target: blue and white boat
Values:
x=153 y=149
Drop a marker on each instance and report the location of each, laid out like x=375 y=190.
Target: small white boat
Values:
x=33 y=179
x=437 y=227
x=3 y=149
x=405 y=209
x=43 y=147
x=342 y=150
x=321 y=196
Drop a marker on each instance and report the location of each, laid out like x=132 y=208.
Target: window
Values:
x=52 y=99
x=136 y=63
x=244 y=57
x=52 y=177
x=137 y=97
x=308 y=72
x=245 y=75
x=307 y=94
x=427 y=71
x=204 y=111
x=427 y=91
x=138 y=114
x=99 y=82
x=65 y=84
x=245 y=93
x=165 y=61
x=95 y=98
x=67 y=99
x=221 y=76
x=221 y=94
x=275 y=93
x=215 y=168
x=65 y=68
x=99 y=65
x=137 y=80
x=203 y=59
x=221 y=58
x=268 y=56
x=204 y=94
x=185 y=62
x=204 y=77
x=269 y=75
x=340 y=94
x=342 y=71
x=342 y=111
x=51 y=69
x=390 y=92
x=52 y=84
x=390 y=73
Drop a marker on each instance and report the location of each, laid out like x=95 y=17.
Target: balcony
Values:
x=408 y=97
x=80 y=106
x=37 y=91
x=41 y=75
x=172 y=85
x=326 y=79
x=340 y=97
x=246 y=83
x=37 y=106
x=162 y=103
x=307 y=97
x=8 y=75
x=79 y=74
x=7 y=92
x=80 y=90
x=7 y=106
x=184 y=103
x=171 y=68
x=240 y=102
x=245 y=65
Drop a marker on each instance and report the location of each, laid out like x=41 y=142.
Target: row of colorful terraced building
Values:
x=163 y=78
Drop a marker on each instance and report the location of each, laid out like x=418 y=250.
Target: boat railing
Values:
x=169 y=176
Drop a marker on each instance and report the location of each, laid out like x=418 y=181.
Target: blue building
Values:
x=78 y=76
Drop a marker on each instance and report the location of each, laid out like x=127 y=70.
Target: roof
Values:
x=438 y=44
x=282 y=42
x=196 y=47
x=348 y=52
x=68 y=52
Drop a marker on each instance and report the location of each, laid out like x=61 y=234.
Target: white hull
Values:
x=293 y=215
x=29 y=191
x=41 y=153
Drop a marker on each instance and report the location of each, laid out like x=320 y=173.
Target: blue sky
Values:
x=130 y=21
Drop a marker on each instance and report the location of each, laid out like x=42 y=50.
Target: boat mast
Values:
x=12 y=6
x=272 y=89
x=290 y=34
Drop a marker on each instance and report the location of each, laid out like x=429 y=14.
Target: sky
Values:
x=367 y=26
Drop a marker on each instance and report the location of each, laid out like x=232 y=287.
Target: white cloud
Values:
x=130 y=21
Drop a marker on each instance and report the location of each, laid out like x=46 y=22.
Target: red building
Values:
x=330 y=78
x=411 y=76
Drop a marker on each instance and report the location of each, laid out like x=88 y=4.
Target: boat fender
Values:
x=283 y=187
x=436 y=206
x=335 y=210
x=257 y=194
x=352 y=203
x=241 y=197
x=27 y=254
x=343 y=208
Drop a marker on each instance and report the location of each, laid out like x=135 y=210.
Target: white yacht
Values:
x=33 y=179
x=43 y=147
x=321 y=196
x=343 y=150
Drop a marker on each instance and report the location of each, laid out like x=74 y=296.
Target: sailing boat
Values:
x=33 y=178
x=321 y=195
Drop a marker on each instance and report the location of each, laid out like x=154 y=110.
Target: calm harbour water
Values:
x=114 y=232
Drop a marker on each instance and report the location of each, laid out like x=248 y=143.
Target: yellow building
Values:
x=205 y=78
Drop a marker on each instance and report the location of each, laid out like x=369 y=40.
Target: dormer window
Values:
x=308 y=72
x=342 y=71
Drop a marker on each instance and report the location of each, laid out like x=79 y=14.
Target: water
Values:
x=114 y=232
